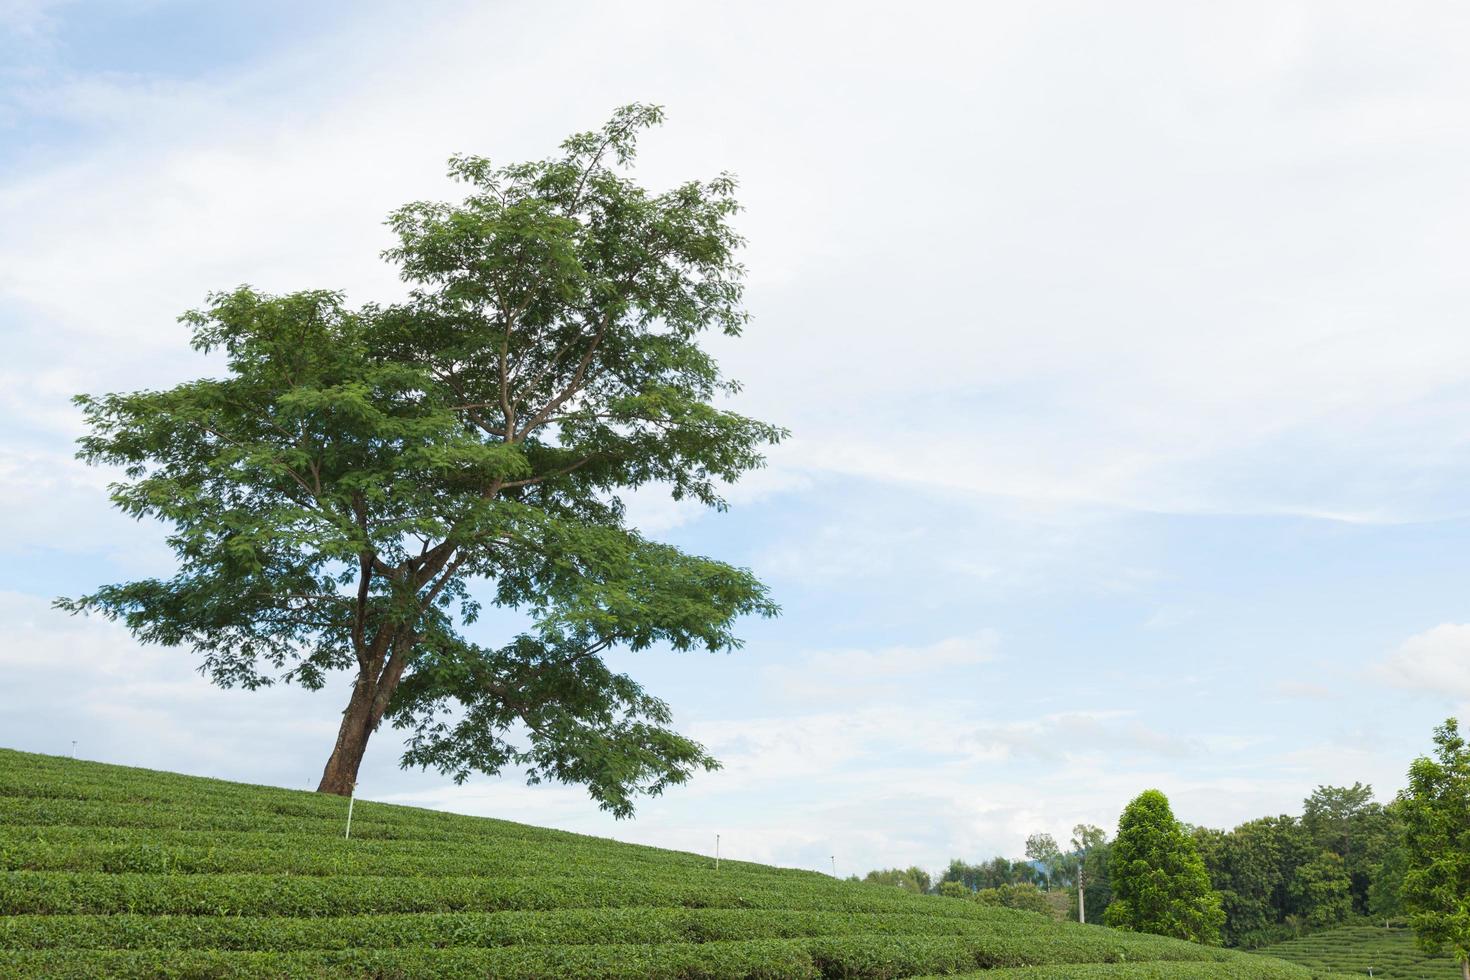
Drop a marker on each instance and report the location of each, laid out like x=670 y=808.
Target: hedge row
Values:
x=34 y=819
x=569 y=926
x=63 y=780
x=1390 y=953
x=61 y=892
x=106 y=871
x=768 y=960
x=368 y=821
x=446 y=929
x=838 y=956
x=312 y=856
x=58 y=847
x=1243 y=966
x=325 y=818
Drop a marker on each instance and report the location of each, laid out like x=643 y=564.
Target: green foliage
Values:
x=1242 y=969
x=1042 y=848
x=1023 y=896
x=1252 y=868
x=1087 y=866
x=990 y=874
x=1346 y=821
x=1159 y=882
x=113 y=872
x=359 y=482
x=1385 y=892
x=1279 y=876
x=1322 y=888
x=1389 y=952
x=1331 y=814
x=1436 y=812
x=913 y=879
x=952 y=889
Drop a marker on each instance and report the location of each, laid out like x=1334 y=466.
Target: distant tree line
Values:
x=1281 y=876
x=1032 y=883
x=1271 y=878
x=1346 y=856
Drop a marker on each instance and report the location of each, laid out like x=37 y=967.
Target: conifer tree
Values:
x=1159 y=881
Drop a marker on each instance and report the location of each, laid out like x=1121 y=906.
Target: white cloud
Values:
x=1435 y=662
x=1161 y=322
x=39 y=636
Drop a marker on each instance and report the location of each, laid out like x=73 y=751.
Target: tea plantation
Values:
x=1387 y=953
x=110 y=871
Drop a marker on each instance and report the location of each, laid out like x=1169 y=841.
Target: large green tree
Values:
x=1435 y=808
x=1348 y=822
x=1159 y=881
x=358 y=484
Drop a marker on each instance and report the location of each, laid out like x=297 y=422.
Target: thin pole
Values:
x=73 y=748
x=834 y=865
x=351 y=799
x=717 y=852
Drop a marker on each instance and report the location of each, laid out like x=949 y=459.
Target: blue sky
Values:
x=1123 y=349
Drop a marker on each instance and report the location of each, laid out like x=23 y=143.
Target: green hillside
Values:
x=1389 y=953
x=110 y=871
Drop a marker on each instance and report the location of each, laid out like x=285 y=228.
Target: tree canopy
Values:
x=1436 y=813
x=1159 y=882
x=1043 y=849
x=361 y=483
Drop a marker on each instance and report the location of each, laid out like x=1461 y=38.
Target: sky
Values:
x=1123 y=347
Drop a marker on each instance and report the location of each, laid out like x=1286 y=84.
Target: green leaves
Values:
x=360 y=482
x=1436 y=812
x=1159 y=882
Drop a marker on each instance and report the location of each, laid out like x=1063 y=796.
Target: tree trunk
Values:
x=1465 y=969
x=358 y=722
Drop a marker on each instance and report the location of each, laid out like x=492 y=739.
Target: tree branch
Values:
x=573 y=386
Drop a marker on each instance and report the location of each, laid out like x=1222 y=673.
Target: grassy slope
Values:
x=106 y=870
x=1390 y=953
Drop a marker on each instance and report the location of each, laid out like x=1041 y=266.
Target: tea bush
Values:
x=109 y=871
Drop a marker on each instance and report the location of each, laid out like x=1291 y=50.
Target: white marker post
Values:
x=73 y=748
x=834 y=865
x=717 y=852
x=351 y=799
